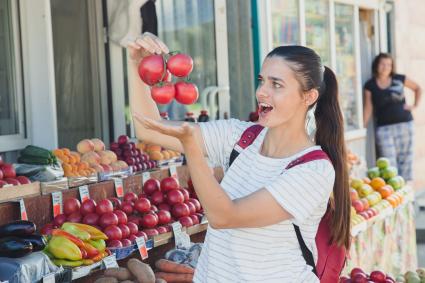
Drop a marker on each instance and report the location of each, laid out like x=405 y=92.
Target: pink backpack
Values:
x=331 y=258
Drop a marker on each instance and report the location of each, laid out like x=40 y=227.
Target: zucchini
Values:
x=14 y=247
x=34 y=160
x=17 y=228
x=36 y=151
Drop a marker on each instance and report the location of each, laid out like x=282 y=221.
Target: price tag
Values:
x=204 y=219
x=145 y=176
x=110 y=262
x=24 y=215
x=173 y=171
x=84 y=193
x=57 y=203
x=141 y=246
x=50 y=278
x=181 y=238
x=119 y=188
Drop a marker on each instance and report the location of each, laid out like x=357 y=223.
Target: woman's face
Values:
x=385 y=67
x=279 y=94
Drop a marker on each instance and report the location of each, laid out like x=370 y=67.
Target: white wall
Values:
x=39 y=78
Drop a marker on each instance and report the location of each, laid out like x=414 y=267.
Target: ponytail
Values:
x=330 y=136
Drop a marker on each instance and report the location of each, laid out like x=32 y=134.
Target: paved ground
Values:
x=420 y=227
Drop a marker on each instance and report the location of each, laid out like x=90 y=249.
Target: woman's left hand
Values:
x=183 y=132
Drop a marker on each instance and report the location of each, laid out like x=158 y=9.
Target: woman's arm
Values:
x=416 y=89
x=141 y=102
x=367 y=107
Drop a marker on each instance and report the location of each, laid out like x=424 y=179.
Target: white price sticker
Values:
x=57 y=203
x=50 y=278
x=84 y=193
x=110 y=262
x=119 y=188
x=141 y=246
x=173 y=171
x=181 y=238
x=204 y=219
x=145 y=176
x=24 y=215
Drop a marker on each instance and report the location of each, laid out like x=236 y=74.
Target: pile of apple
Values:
x=127 y=151
x=412 y=276
x=357 y=275
x=8 y=175
x=387 y=172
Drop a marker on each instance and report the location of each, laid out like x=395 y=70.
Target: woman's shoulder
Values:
x=369 y=84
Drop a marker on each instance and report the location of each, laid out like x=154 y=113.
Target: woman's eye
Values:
x=276 y=85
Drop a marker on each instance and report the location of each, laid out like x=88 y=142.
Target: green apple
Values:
x=373 y=172
x=414 y=278
x=356 y=183
x=365 y=190
x=403 y=182
x=400 y=279
x=394 y=182
x=389 y=172
x=383 y=163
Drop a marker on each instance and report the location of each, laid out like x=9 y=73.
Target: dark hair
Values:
x=377 y=60
x=311 y=74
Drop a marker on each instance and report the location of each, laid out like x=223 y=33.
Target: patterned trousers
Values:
x=396 y=143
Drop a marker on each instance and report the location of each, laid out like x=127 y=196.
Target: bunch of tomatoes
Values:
x=156 y=71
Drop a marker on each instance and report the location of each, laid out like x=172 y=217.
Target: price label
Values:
x=24 y=215
x=57 y=203
x=110 y=262
x=173 y=171
x=84 y=193
x=204 y=219
x=141 y=246
x=119 y=188
x=50 y=278
x=181 y=238
x=145 y=176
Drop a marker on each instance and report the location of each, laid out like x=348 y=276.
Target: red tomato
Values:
x=151 y=69
x=186 y=93
x=180 y=65
x=163 y=94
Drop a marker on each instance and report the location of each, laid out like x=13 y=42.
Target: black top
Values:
x=388 y=103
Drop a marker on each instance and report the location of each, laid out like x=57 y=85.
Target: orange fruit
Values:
x=76 y=155
x=66 y=151
x=366 y=180
x=392 y=200
x=377 y=183
x=57 y=152
x=64 y=158
x=72 y=159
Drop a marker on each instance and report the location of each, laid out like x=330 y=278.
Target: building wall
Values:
x=409 y=37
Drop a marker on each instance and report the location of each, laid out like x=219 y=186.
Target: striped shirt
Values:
x=271 y=253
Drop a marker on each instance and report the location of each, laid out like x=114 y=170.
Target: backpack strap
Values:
x=310 y=156
x=246 y=139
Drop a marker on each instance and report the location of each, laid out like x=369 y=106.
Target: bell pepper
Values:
x=90 y=250
x=69 y=263
x=77 y=232
x=95 y=234
x=46 y=252
x=100 y=244
x=88 y=262
x=69 y=236
x=100 y=256
x=62 y=248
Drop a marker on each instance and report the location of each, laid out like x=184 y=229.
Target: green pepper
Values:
x=76 y=231
x=69 y=263
x=100 y=244
x=62 y=248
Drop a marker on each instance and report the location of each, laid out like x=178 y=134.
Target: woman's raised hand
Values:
x=145 y=45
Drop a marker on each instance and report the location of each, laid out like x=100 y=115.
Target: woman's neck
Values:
x=285 y=141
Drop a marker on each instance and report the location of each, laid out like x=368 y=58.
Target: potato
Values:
x=143 y=272
x=106 y=280
x=160 y=280
x=121 y=273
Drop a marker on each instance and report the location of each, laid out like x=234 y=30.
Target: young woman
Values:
x=384 y=97
x=251 y=212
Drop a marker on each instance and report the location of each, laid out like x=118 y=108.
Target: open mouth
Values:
x=264 y=107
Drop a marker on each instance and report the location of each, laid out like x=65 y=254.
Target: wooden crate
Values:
x=54 y=186
x=17 y=192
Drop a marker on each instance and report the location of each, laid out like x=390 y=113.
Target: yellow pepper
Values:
x=62 y=248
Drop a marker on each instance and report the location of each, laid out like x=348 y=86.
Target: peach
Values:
x=107 y=157
x=98 y=168
x=107 y=168
x=156 y=155
x=85 y=146
x=122 y=164
x=98 y=145
x=153 y=147
x=91 y=158
x=116 y=166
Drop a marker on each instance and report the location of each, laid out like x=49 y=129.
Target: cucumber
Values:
x=36 y=151
x=33 y=160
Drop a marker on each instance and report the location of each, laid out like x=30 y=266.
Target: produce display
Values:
x=76 y=244
x=156 y=152
x=357 y=275
x=157 y=71
x=380 y=190
x=128 y=152
x=18 y=238
x=8 y=175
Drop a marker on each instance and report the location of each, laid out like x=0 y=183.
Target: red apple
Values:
x=12 y=181
x=186 y=221
x=127 y=207
x=124 y=230
x=91 y=219
x=359 y=278
x=8 y=170
x=186 y=194
x=195 y=219
x=378 y=276
x=132 y=238
x=149 y=221
x=133 y=228
x=114 y=244
x=179 y=210
x=71 y=205
x=164 y=217
x=142 y=234
x=59 y=220
x=47 y=229
x=169 y=183
x=116 y=202
x=108 y=219
x=74 y=217
x=196 y=203
x=130 y=196
x=157 y=197
x=358 y=205
x=151 y=232
x=2 y=183
x=142 y=205
x=135 y=219
x=113 y=232
x=88 y=206
x=174 y=197
x=104 y=206
x=126 y=242
x=192 y=207
x=122 y=217
x=114 y=146
x=164 y=206
x=123 y=139
x=23 y=180
x=150 y=186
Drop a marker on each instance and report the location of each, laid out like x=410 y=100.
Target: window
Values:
x=317 y=28
x=346 y=63
x=285 y=22
x=12 y=125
